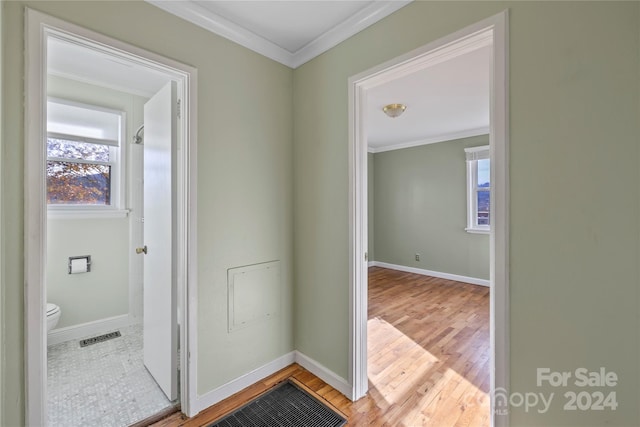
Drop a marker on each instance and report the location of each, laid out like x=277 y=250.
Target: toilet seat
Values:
x=52 y=309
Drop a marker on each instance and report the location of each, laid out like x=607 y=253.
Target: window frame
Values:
x=472 y=155
x=117 y=156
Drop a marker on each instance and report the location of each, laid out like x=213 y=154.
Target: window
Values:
x=478 y=189
x=84 y=158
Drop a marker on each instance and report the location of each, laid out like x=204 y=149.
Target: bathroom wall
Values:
x=104 y=292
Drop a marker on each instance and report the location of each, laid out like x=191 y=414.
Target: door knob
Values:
x=142 y=250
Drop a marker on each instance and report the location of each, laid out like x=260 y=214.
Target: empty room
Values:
x=521 y=262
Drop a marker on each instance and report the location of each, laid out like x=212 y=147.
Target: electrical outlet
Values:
x=417 y=257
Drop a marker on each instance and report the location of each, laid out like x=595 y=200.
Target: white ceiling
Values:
x=446 y=101
x=289 y=24
x=291 y=32
x=69 y=60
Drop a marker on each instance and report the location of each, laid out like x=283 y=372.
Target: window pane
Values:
x=64 y=149
x=484 y=173
x=78 y=183
x=484 y=202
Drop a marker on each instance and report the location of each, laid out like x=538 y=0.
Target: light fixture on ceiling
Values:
x=394 y=110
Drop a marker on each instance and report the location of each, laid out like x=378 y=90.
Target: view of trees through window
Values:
x=78 y=173
x=484 y=192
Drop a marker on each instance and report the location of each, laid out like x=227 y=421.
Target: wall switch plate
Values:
x=417 y=257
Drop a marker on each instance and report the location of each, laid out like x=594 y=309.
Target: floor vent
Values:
x=99 y=338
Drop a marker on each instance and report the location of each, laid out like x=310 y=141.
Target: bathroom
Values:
x=94 y=277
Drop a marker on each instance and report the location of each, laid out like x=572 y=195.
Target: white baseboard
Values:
x=324 y=374
x=456 y=277
x=97 y=327
x=232 y=387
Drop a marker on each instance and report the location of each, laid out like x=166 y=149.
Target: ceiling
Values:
x=446 y=101
x=69 y=60
x=287 y=31
x=288 y=24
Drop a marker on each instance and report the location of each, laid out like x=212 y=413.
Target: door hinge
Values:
x=179 y=108
x=366 y=256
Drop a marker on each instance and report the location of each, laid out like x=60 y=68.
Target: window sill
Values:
x=478 y=230
x=87 y=213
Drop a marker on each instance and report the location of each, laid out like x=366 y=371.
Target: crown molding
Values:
x=350 y=27
x=198 y=15
x=215 y=23
x=432 y=140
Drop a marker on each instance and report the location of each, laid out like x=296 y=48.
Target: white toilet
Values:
x=53 y=315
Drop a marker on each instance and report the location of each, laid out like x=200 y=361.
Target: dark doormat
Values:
x=284 y=406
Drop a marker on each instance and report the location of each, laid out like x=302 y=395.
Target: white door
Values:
x=160 y=290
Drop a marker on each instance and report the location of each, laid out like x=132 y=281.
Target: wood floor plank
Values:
x=428 y=359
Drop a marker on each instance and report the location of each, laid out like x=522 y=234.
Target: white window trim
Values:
x=118 y=190
x=473 y=154
x=87 y=213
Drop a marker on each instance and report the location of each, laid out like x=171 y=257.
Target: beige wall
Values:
x=244 y=180
x=574 y=133
x=421 y=207
x=104 y=292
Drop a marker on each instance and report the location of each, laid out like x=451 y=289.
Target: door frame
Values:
x=38 y=27
x=490 y=31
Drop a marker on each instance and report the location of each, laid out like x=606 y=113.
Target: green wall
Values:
x=420 y=207
x=244 y=180
x=2 y=280
x=574 y=130
x=370 y=206
x=574 y=196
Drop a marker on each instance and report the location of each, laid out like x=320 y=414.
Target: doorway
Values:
x=41 y=30
x=494 y=30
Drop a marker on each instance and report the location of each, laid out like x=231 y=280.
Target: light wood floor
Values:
x=428 y=358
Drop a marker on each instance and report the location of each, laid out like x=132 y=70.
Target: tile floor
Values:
x=103 y=384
